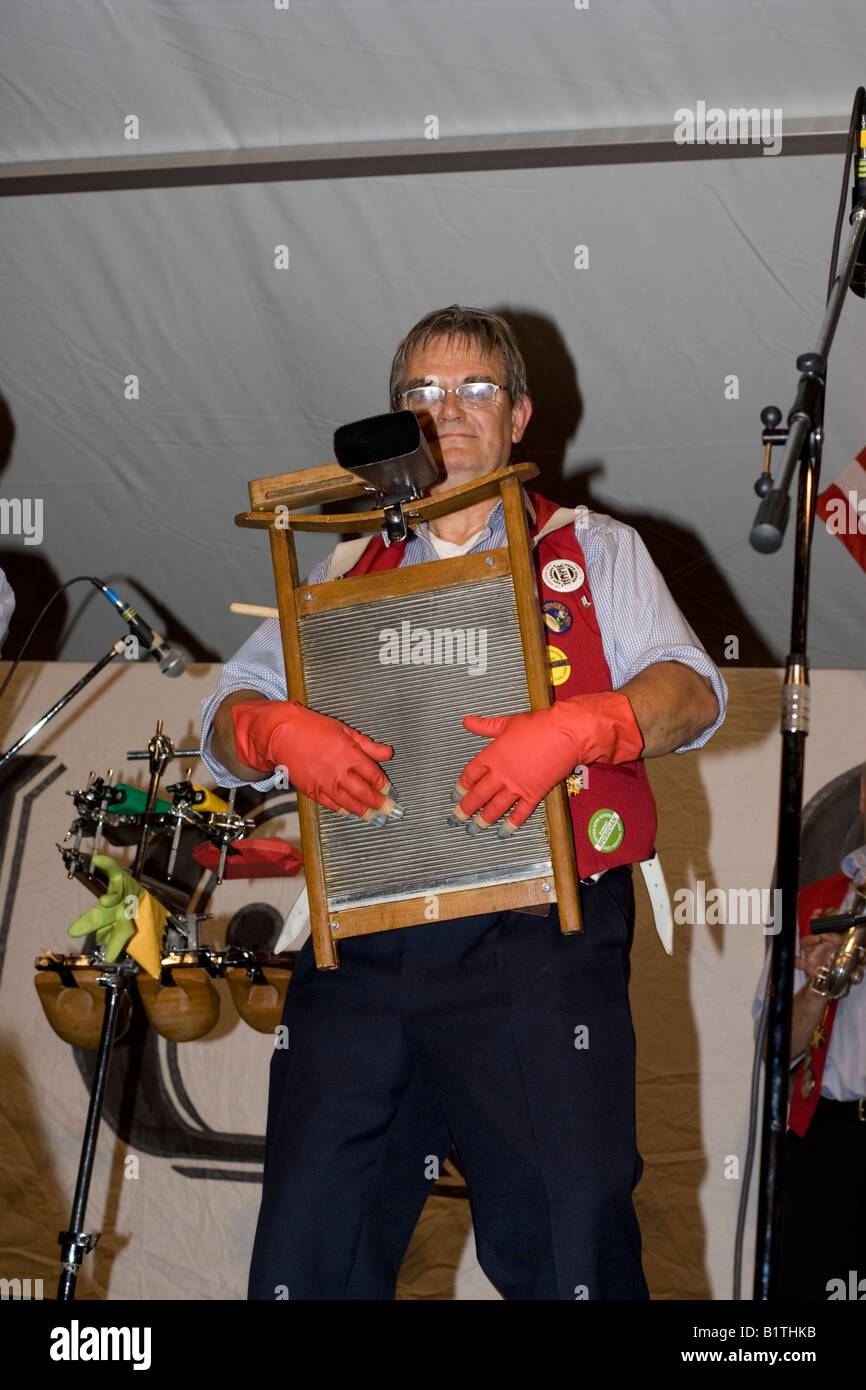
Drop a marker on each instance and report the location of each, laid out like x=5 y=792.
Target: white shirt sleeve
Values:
x=257 y=665
x=639 y=622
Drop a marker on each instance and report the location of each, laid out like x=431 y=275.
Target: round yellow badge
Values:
x=559 y=664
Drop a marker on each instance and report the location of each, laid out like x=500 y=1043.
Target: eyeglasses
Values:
x=474 y=394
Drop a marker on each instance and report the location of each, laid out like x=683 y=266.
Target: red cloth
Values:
x=816 y=900
x=265 y=858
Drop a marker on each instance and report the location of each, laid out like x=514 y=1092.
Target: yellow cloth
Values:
x=211 y=802
x=125 y=902
x=145 y=946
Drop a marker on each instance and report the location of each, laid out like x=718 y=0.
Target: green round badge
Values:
x=606 y=830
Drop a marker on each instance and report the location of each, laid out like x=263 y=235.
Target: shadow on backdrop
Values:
x=697 y=585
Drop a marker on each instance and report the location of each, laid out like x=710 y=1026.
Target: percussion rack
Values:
x=115 y=980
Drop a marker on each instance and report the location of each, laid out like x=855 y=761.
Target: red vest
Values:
x=816 y=900
x=614 y=816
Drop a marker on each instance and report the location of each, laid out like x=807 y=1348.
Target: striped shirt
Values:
x=639 y=622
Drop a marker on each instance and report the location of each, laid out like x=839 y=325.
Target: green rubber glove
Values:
x=113 y=920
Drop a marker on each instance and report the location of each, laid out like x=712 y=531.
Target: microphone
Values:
x=171 y=663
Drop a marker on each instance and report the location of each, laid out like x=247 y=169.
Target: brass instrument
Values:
x=834 y=980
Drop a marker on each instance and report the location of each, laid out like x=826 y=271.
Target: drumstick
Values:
x=254 y=610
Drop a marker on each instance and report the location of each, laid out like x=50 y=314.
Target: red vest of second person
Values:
x=613 y=814
x=816 y=900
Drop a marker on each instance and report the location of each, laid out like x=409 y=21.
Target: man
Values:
x=823 y=1240
x=495 y=1034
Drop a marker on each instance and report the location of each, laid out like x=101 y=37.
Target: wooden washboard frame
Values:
x=272 y=504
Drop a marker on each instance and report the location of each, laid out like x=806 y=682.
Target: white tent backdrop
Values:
x=241 y=74
x=698 y=269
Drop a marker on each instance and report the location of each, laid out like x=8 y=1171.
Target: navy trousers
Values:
x=497 y=1035
x=823 y=1240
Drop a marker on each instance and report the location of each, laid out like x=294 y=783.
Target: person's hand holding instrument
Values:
x=324 y=759
x=533 y=752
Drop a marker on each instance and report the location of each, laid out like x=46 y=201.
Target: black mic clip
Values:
x=141 y=637
x=771 y=418
x=803 y=432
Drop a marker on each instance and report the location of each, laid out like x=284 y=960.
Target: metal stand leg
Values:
x=75 y=1243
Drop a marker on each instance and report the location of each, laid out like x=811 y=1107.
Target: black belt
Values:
x=842 y=1111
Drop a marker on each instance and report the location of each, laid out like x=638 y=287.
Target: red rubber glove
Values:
x=323 y=758
x=532 y=753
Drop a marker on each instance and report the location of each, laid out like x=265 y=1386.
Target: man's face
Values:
x=468 y=441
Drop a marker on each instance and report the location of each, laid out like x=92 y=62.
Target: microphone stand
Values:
x=115 y=979
x=170 y=662
x=803 y=441
x=116 y=650
x=75 y=1242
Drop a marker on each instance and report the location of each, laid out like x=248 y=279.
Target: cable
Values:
x=755 y=1089
x=79 y=578
x=853 y=144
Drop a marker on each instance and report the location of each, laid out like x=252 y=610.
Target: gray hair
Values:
x=489 y=331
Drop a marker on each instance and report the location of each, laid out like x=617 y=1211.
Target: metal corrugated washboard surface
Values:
x=405 y=671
